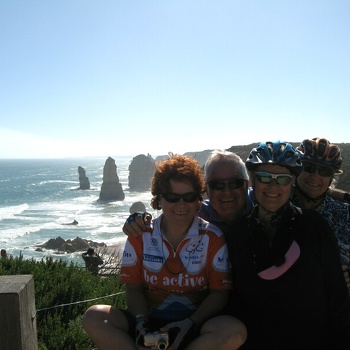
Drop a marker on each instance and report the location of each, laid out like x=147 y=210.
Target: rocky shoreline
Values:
x=61 y=246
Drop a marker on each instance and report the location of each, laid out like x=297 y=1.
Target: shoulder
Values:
x=330 y=203
x=310 y=217
x=205 y=227
x=204 y=210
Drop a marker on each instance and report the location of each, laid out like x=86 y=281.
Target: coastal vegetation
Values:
x=63 y=292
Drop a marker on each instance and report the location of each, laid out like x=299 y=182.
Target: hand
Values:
x=140 y=330
x=184 y=326
x=136 y=223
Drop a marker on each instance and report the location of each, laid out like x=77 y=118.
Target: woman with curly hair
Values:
x=176 y=273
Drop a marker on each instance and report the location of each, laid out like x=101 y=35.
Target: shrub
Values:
x=62 y=294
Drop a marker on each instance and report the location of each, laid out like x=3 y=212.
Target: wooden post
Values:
x=17 y=313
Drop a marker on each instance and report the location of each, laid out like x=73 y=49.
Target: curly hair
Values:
x=177 y=168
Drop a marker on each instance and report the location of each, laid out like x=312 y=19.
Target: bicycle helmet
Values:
x=320 y=151
x=278 y=153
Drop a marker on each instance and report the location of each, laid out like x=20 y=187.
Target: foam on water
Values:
x=39 y=197
x=10 y=212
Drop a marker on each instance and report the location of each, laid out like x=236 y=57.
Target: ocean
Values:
x=39 y=196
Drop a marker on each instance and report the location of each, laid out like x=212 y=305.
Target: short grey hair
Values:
x=224 y=156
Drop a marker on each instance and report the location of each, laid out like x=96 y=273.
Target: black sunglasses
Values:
x=232 y=184
x=266 y=178
x=324 y=172
x=188 y=197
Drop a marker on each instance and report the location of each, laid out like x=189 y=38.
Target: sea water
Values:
x=38 y=197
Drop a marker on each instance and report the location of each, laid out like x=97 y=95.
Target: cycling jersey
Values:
x=177 y=281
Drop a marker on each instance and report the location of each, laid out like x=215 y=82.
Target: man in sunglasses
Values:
x=321 y=164
x=227 y=190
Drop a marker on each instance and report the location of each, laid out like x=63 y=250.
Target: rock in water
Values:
x=111 y=189
x=83 y=179
x=141 y=170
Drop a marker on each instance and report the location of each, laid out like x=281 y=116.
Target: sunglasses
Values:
x=324 y=172
x=188 y=197
x=232 y=184
x=266 y=178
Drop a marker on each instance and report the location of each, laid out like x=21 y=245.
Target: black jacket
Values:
x=308 y=306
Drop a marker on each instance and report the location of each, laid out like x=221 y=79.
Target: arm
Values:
x=136 y=223
x=210 y=306
x=213 y=304
x=338 y=194
x=136 y=300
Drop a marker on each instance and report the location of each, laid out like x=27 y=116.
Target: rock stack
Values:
x=83 y=179
x=141 y=170
x=111 y=189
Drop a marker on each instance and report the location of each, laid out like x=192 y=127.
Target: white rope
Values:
x=79 y=302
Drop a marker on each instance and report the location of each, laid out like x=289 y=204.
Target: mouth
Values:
x=227 y=200
x=181 y=213
x=311 y=184
x=272 y=195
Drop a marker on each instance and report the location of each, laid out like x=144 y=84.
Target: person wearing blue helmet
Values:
x=289 y=288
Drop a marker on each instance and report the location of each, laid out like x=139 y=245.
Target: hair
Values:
x=222 y=156
x=177 y=168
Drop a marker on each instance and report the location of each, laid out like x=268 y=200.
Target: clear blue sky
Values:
x=124 y=77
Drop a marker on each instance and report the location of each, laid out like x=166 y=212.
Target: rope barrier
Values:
x=79 y=302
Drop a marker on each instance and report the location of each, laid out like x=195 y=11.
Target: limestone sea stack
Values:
x=83 y=179
x=111 y=189
x=141 y=170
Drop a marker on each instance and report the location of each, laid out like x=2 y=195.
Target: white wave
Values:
x=57 y=181
x=10 y=212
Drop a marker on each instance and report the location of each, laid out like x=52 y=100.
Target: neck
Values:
x=174 y=234
x=308 y=202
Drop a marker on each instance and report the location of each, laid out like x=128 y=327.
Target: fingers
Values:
x=134 y=225
x=147 y=218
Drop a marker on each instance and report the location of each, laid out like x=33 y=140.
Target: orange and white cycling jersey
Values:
x=176 y=282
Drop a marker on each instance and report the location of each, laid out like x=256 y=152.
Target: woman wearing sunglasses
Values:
x=321 y=164
x=176 y=273
x=289 y=286
x=228 y=195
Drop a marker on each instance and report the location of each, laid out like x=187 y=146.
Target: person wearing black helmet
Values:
x=289 y=286
x=321 y=164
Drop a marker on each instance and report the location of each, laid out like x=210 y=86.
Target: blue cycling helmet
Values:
x=278 y=153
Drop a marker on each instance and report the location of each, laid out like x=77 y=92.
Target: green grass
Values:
x=56 y=283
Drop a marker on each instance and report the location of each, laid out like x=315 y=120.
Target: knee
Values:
x=94 y=315
x=236 y=336
x=229 y=331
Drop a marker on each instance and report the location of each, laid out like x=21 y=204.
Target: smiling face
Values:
x=179 y=214
x=271 y=197
x=228 y=203
x=313 y=184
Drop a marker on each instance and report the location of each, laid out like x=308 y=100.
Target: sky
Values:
x=124 y=77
